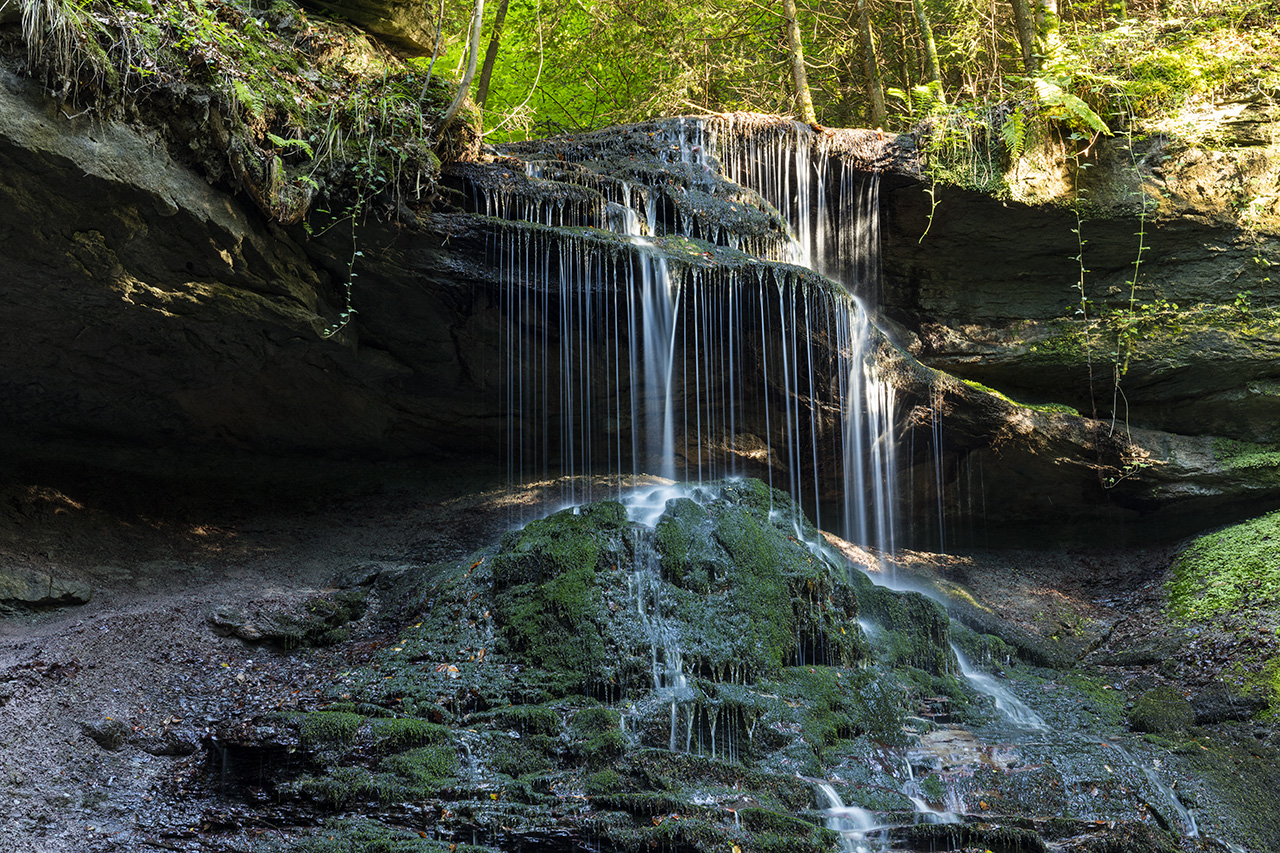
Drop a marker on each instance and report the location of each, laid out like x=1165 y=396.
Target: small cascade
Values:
x=1190 y=828
x=1013 y=710
x=645 y=583
x=913 y=790
x=858 y=829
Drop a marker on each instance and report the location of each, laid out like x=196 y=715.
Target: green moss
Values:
x=1245 y=455
x=1161 y=710
x=596 y=720
x=603 y=748
x=525 y=719
x=1242 y=777
x=1105 y=702
x=523 y=756
x=392 y=735
x=1048 y=408
x=604 y=782
x=917 y=631
x=550 y=578
x=423 y=771
x=329 y=728
x=343 y=835
x=342 y=787
x=691 y=559
x=985 y=650
x=1233 y=568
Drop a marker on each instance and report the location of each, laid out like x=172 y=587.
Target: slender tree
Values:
x=795 y=50
x=871 y=67
x=931 y=66
x=491 y=54
x=464 y=85
x=1025 y=22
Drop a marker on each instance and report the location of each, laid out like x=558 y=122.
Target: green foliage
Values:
x=604 y=782
x=1047 y=408
x=1234 y=568
x=398 y=733
x=423 y=771
x=294 y=103
x=1245 y=455
x=1058 y=103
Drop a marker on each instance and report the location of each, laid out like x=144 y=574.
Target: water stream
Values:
x=627 y=358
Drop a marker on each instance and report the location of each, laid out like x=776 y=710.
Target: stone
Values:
x=20 y=588
x=1218 y=703
x=405 y=24
x=320 y=620
x=169 y=742
x=1161 y=710
x=108 y=733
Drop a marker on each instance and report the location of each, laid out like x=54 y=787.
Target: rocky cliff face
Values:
x=144 y=304
x=1141 y=297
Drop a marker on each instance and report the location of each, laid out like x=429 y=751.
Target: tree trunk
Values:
x=931 y=70
x=491 y=54
x=1047 y=26
x=464 y=85
x=871 y=68
x=1026 y=25
x=795 y=49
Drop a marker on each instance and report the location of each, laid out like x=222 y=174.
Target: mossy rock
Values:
x=917 y=631
x=1233 y=568
x=523 y=756
x=329 y=728
x=343 y=835
x=750 y=594
x=399 y=733
x=1239 y=780
x=524 y=719
x=595 y=720
x=603 y=782
x=1161 y=710
x=550 y=580
x=424 y=771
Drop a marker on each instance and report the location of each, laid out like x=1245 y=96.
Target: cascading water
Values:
x=1012 y=710
x=643 y=353
x=654 y=356
x=859 y=832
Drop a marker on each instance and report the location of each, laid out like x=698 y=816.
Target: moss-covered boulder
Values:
x=559 y=584
x=750 y=590
x=917 y=630
x=1161 y=710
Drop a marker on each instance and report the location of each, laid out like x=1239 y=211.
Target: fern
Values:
x=1067 y=107
x=1013 y=133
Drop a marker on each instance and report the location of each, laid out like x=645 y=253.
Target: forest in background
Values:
x=311 y=108
x=1091 y=64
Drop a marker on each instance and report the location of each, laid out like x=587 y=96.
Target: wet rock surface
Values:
x=464 y=706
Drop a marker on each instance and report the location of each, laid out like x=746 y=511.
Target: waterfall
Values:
x=856 y=826
x=1012 y=709
x=630 y=351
